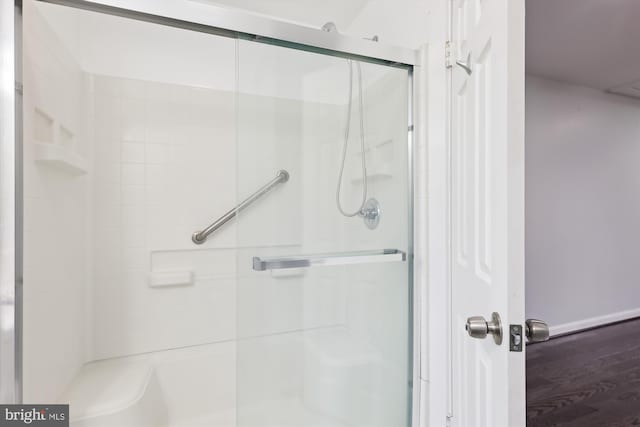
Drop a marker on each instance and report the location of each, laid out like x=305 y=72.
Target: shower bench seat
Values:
x=119 y=392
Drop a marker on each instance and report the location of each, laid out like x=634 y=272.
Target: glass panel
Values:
x=129 y=143
x=321 y=345
x=130 y=151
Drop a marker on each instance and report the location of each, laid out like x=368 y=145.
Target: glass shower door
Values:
x=323 y=301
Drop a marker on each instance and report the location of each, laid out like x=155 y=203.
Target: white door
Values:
x=487 y=209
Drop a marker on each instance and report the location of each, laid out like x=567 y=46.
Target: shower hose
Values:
x=346 y=142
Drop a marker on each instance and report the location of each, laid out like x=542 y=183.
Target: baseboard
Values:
x=579 y=325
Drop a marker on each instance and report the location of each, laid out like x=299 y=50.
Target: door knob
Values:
x=478 y=327
x=536 y=330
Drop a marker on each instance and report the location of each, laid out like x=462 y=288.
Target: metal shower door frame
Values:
x=209 y=18
x=10 y=201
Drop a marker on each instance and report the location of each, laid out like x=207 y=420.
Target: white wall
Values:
x=56 y=216
x=582 y=205
x=395 y=22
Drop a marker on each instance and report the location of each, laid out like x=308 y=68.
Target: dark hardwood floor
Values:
x=587 y=379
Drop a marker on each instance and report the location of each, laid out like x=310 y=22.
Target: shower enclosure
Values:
x=198 y=161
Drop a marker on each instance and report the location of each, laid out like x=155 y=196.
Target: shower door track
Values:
x=207 y=18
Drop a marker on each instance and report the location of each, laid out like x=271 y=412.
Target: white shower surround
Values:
x=137 y=137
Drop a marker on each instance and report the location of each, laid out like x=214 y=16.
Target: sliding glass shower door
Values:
x=323 y=299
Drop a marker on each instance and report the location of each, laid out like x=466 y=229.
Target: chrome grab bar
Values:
x=199 y=237
x=344 y=258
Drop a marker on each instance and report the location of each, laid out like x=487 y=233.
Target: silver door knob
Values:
x=478 y=327
x=536 y=330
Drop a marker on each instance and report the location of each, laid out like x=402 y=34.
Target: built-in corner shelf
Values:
x=60 y=157
x=379 y=161
x=54 y=145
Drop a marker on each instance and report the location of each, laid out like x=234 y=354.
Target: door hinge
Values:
x=447 y=54
x=18 y=87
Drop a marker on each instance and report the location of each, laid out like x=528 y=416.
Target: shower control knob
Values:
x=536 y=330
x=371 y=213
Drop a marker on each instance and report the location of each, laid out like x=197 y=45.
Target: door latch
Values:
x=535 y=331
x=515 y=337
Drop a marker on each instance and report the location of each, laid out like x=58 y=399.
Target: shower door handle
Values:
x=344 y=258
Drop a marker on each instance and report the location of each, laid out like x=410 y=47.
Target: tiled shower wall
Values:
x=164 y=166
x=56 y=216
x=168 y=160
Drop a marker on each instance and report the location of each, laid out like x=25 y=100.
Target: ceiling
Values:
x=593 y=43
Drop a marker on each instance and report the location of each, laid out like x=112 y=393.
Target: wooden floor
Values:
x=586 y=379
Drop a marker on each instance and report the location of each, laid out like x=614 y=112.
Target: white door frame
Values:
x=432 y=243
x=433 y=182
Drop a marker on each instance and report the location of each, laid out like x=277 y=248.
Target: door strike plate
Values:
x=515 y=337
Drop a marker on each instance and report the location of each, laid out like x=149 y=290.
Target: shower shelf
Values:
x=60 y=157
x=374 y=175
x=318 y=260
